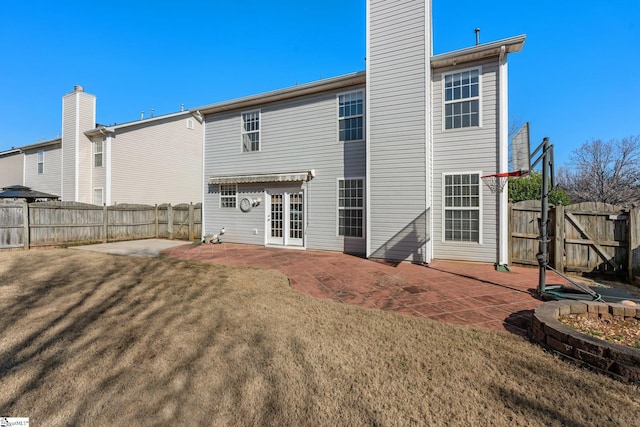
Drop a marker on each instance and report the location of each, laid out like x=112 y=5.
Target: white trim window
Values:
x=98 y=147
x=462 y=99
x=97 y=196
x=462 y=213
x=351 y=207
x=228 y=195
x=251 y=131
x=351 y=116
x=40 y=162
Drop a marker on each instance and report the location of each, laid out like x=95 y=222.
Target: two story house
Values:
x=386 y=162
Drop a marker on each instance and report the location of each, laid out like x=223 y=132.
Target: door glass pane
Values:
x=276 y=215
x=295 y=215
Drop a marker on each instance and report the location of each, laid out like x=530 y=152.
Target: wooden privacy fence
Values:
x=587 y=237
x=58 y=223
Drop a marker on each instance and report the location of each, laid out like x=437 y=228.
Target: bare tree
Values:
x=604 y=172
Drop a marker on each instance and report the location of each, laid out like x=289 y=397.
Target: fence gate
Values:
x=595 y=238
x=587 y=237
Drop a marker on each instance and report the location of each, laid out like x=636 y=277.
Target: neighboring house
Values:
x=11 y=163
x=149 y=161
x=385 y=163
x=42 y=166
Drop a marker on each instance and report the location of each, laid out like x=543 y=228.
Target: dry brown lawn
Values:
x=93 y=339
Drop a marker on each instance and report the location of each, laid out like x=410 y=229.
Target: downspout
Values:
x=503 y=150
x=367 y=128
x=203 y=204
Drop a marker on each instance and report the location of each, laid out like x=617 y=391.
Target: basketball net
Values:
x=497 y=181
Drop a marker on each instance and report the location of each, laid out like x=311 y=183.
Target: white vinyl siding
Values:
x=12 y=169
x=144 y=151
x=351 y=116
x=228 y=195
x=49 y=181
x=462 y=99
x=78 y=116
x=462 y=204
x=40 y=162
x=351 y=207
x=251 y=131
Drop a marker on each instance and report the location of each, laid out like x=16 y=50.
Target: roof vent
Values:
x=78 y=88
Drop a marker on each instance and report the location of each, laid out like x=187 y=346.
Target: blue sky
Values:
x=576 y=78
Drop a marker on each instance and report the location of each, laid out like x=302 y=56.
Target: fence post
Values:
x=105 y=225
x=25 y=224
x=633 y=237
x=191 y=221
x=157 y=229
x=170 y=221
x=559 y=239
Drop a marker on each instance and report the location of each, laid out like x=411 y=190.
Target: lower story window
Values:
x=228 y=195
x=462 y=207
x=350 y=207
x=97 y=196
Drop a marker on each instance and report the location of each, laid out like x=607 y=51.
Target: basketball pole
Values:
x=543 y=221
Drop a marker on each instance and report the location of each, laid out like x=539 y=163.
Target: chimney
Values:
x=78 y=88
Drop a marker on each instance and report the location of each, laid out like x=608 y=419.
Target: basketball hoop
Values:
x=497 y=181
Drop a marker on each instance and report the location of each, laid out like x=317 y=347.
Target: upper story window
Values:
x=351 y=116
x=228 y=195
x=251 y=131
x=462 y=207
x=98 y=145
x=40 y=161
x=462 y=99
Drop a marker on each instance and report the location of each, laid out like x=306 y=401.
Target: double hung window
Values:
x=98 y=145
x=462 y=207
x=351 y=207
x=351 y=116
x=462 y=99
x=40 y=162
x=251 y=131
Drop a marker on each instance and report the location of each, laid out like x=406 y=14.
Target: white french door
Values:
x=285 y=218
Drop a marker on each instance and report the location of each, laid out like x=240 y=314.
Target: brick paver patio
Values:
x=464 y=293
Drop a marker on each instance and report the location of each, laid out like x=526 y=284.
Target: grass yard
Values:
x=93 y=339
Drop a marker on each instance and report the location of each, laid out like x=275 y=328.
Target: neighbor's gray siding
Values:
x=464 y=150
x=296 y=135
x=159 y=162
x=50 y=180
x=398 y=76
x=11 y=169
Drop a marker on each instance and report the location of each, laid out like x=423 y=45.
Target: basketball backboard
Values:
x=521 y=151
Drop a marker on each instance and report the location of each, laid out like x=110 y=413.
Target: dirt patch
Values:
x=617 y=330
x=94 y=339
